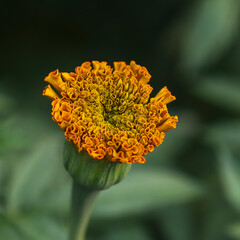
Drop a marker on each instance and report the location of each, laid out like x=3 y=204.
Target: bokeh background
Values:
x=189 y=189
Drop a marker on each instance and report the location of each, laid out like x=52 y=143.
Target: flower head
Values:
x=107 y=112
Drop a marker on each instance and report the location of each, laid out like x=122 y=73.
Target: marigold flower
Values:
x=106 y=111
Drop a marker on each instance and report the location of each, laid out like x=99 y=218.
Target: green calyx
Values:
x=92 y=173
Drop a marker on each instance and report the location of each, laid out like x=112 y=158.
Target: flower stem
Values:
x=81 y=208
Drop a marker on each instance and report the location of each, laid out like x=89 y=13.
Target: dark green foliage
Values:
x=189 y=188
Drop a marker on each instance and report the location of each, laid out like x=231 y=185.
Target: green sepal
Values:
x=92 y=173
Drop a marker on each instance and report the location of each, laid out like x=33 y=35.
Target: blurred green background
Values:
x=189 y=189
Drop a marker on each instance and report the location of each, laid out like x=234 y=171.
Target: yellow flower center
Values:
x=107 y=113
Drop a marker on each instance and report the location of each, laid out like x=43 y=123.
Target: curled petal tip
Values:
x=165 y=96
x=49 y=92
x=168 y=124
x=55 y=79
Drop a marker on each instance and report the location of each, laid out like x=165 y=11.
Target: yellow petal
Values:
x=48 y=92
x=55 y=79
x=96 y=65
x=165 y=96
x=119 y=66
x=168 y=124
x=134 y=66
x=69 y=76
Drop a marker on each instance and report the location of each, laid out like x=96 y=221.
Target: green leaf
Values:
x=57 y=199
x=212 y=27
x=41 y=227
x=227 y=131
x=11 y=136
x=144 y=190
x=229 y=171
x=234 y=231
x=1 y=210
x=215 y=215
x=2 y=168
x=15 y=136
x=220 y=91
x=34 y=174
x=133 y=232
x=176 y=222
x=7 y=231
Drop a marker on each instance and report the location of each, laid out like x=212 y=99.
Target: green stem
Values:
x=82 y=204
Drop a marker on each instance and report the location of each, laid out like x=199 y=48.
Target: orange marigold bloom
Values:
x=107 y=113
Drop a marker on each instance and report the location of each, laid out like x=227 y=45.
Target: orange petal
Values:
x=48 y=92
x=119 y=66
x=165 y=96
x=168 y=124
x=55 y=79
